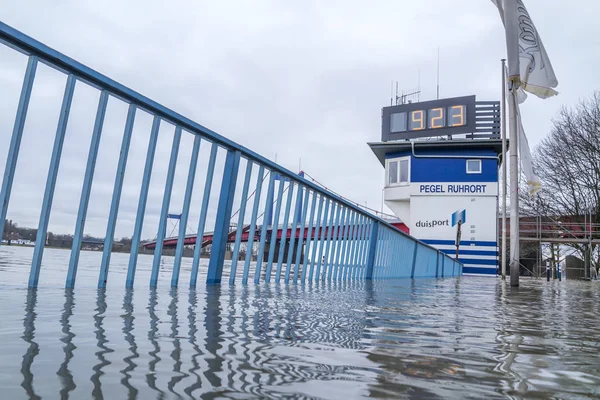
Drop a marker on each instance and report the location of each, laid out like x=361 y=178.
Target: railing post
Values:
x=141 y=210
x=162 y=224
x=210 y=172
x=414 y=264
x=372 y=250
x=86 y=189
x=274 y=229
x=443 y=264
x=59 y=140
x=185 y=212
x=15 y=140
x=437 y=264
x=221 y=233
x=265 y=226
x=116 y=197
x=253 y=218
x=240 y=225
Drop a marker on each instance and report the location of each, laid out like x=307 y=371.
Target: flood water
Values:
x=469 y=337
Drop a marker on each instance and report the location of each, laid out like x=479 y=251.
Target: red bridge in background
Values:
x=190 y=240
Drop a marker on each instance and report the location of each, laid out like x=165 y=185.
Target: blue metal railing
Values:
x=344 y=241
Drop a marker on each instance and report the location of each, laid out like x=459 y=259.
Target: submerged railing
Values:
x=329 y=238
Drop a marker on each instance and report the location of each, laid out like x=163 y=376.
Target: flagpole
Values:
x=514 y=187
x=503 y=124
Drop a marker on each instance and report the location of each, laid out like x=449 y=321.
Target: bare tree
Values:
x=568 y=164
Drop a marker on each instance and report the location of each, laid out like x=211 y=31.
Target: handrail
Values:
x=28 y=45
x=38 y=51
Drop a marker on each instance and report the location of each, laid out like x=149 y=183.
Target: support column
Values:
x=217 y=254
x=372 y=250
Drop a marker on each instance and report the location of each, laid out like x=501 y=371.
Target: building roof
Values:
x=382 y=148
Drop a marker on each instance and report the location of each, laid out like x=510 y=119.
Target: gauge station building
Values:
x=441 y=161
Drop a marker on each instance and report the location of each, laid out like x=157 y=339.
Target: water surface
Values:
x=431 y=338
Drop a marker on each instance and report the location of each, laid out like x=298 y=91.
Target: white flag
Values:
x=528 y=63
x=533 y=181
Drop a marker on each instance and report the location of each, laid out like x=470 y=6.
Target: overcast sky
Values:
x=293 y=80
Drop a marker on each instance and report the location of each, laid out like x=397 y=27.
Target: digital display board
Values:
x=429 y=118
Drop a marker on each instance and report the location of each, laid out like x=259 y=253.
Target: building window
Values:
x=473 y=166
x=398 y=171
x=393 y=173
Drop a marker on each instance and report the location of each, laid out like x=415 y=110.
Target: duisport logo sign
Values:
x=458 y=215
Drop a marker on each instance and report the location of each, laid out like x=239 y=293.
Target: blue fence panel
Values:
x=326 y=237
x=426 y=262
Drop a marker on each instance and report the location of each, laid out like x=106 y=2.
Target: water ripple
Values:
x=447 y=338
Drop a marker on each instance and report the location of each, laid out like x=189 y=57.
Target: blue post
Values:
x=336 y=234
x=162 y=224
x=268 y=217
x=360 y=241
x=288 y=266
x=443 y=264
x=351 y=247
x=348 y=260
x=325 y=227
x=310 y=236
x=240 y=225
x=86 y=189
x=358 y=249
x=15 y=140
x=286 y=218
x=437 y=264
x=414 y=263
x=59 y=140
x=298 y=213
x=341 y=248
x=372 y=250
x=335 y=209
x=210 y=172
x=315 y=240
x=274 y=229
x=383 y=253
x=301 y=236
x=141 y=210
x=253 y=218
x=185 y=212
x=365 y=247
x=220 y=236
x=116 y=197
x=263 y=231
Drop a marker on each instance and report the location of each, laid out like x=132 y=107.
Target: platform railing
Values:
x=332 y=239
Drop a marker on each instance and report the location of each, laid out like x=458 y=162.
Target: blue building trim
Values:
x=491 y=253
x=431 y=169
x=462 y=243
x=479 y=270
x=477 y=261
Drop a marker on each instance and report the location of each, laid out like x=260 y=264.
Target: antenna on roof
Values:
x=438 y=73
x=419 y=87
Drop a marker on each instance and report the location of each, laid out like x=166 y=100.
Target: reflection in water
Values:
x=128 y=326
x=192 y=332
x=213 y=339
x=152 y=335
x=101 y=342
x=33 y=349
x=66 y=377
x=176 y=353
x=422 y=338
